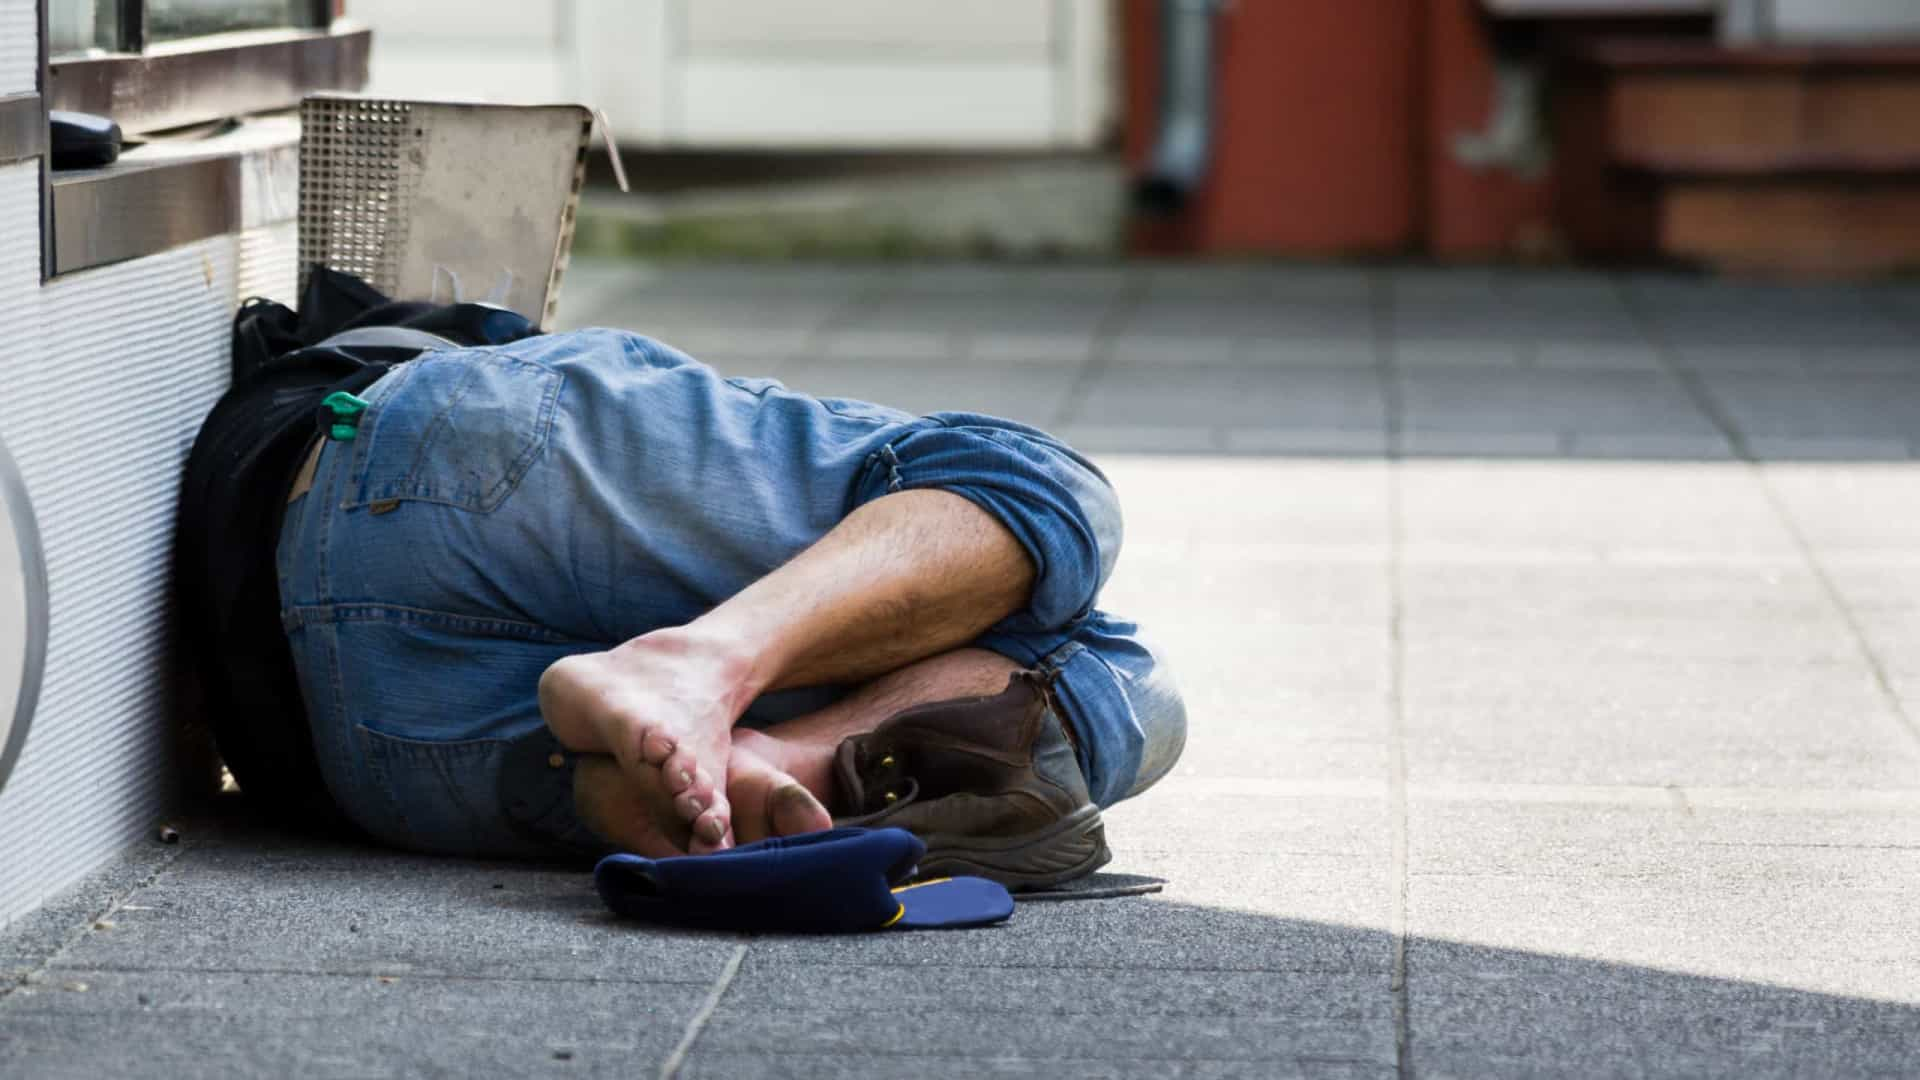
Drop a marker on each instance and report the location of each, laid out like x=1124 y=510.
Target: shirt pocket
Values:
x=460 y=429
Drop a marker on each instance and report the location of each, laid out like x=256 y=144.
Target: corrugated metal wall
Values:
x=108 y=373
x=19 y=49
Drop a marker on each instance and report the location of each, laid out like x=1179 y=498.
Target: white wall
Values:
x=108 y=373
x=844 y=74
x=1846 y=20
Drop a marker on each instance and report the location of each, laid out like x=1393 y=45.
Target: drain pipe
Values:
x=1182 y=148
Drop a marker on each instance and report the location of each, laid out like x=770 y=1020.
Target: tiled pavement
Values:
x=1319 y=360
x=1552 y=647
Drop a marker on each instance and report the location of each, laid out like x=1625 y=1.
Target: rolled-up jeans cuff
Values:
x=1055 y=503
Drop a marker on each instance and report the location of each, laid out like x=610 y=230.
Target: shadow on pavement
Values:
x=254 y=948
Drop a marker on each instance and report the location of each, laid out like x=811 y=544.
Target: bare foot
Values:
x=633 y=814
x=767 y=800
x=664 y=703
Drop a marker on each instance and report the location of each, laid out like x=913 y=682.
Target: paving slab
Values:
x=1028 y=393
x=1876 y=587
x=1597 y=356
x=1701 y=513
x=1657 y=447
x=1501 y=354
x=1275 y=503
x=1119 y=937
x=1834 y=406
x=91 y=1023
x=1552 y=598
x=1193 y=816
x=1683 y=835
x=1061 y=994
x=391 y=916
x=1234 y=395
x=1030 y=346
x=1851 y=511
x=832 y=1067
x=1180 y=317
x=1199 y=437
x=1307 y=351
x=1515 y=1015
x=1475 y=399
x=1513 y=670
x=1153 y=347
x=1480 y=444
x=1308 y=442
x=919 y=347
x=1656 y=887
x=1141 y=1039
x=1274 y=657
x=1274 y=589
x=1823 y=741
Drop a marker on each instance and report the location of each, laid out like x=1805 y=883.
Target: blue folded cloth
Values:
x=835 y=881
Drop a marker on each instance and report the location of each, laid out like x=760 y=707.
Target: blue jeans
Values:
x=504 y=507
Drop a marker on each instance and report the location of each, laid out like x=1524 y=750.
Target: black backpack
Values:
x=232 y=499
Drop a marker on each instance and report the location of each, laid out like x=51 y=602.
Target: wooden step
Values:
x=1682 y=107
x=1795 y=227
x=1794 y=160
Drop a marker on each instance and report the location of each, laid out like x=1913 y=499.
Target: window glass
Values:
x=78 y=25
x=75 y=26
x=168 y=20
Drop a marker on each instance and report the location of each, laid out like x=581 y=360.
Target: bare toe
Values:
x=633 y=816
x=657 y=745
x=792 y=810
x=766 y=801
x=682 y=772
x=688 y=806
x=711 y=830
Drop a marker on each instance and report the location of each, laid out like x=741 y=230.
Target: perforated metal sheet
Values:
x=443 y=201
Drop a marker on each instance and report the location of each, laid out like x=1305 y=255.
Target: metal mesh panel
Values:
x=354 y=196
x=443 y=201
x=564 y=251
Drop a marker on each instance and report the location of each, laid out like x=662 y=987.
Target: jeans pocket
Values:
x=460 y=429
x=442 y=797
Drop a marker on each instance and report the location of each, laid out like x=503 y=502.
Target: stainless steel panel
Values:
x=443 y=201
x=187 y=83
x=23 y=128
x=123 y=212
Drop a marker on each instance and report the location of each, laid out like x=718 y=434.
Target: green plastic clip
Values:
x=346 y=410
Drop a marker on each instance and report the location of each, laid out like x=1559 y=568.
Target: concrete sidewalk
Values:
x=1552 y=647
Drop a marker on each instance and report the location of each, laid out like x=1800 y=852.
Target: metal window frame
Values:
x=130 y=23
x=23 y=135
x=103 y=216
x=203 y=79
x=46 y=157
x=125 y=212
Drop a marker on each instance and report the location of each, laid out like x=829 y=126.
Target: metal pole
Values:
x=1183 y=148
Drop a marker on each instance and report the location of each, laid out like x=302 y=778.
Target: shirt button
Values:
x=556 y=760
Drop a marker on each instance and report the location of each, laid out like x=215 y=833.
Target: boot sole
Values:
x=1072 y=847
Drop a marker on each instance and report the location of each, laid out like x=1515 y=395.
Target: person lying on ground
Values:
x=578 y=592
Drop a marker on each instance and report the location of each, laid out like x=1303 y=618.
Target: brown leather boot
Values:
x=990 y=784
